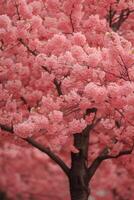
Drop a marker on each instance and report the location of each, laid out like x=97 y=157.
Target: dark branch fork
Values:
x=116 y=22
x=104 y=155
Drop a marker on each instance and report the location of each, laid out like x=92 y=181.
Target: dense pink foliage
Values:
x=113 y=181
x=66 y=45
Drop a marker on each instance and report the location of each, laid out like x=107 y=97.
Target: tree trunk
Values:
x=78 y=177
x=3 y=196
x=79 y=195
x=79 y=187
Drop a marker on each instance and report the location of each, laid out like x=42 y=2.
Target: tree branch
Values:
x=104 y=156
x=90 y=126
x=47 y=151
x=58 y=86
x=121 y=153
x=110 y=16
x=1 y=45
x=33 y=52
x=115 y=23
x=43 y=149
x=17 y=11
x=71 y=20
x=55 y=81
x=6 y=128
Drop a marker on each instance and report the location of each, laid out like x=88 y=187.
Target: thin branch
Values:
x=25 y=102
x=121 y=153
x=104 y=156
x=123 y=64
x=117 y=76
x=45 y=68
x=71 y=20
x=58 y=86
x=34 y=53
x=70 y=110
x=2 y=45
x=17 y=10
x=124 y=116
x=47 y=151
x=55 y=81
x=111 y=15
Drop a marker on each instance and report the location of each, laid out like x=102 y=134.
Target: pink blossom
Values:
x=79 y=39
x=56 y=116
x=5 y=22
x=24 y=129
x=76 y=126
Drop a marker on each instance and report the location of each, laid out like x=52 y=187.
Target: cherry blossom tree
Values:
x=67 y=82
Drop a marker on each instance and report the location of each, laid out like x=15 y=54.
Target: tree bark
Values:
x=78 y=179
x=78 y=176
